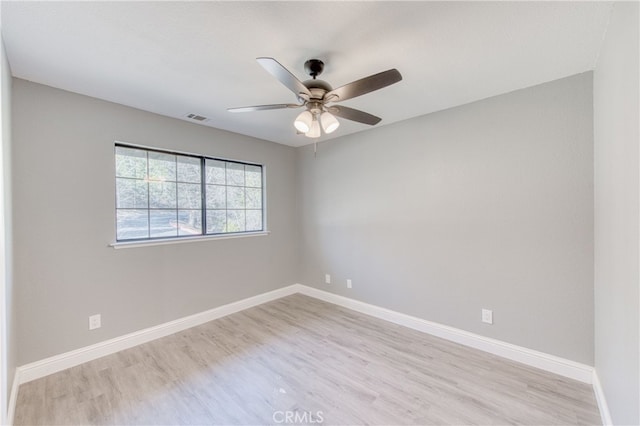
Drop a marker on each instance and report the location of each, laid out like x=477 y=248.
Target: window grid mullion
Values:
x=203 y=196
x=226 y=199
x=175 y=178
x=148 y=201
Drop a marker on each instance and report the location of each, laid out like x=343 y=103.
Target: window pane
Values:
x=216 y=221
x=253 y=176
x=189 y=169
x=163 y=223
x=189 y=222
x=132 y=224
x=235 y=197
x=235 y=221
x=254 y=198
x=189 y=196
x=159 y=194
x=215 y=171
x=162 y=195
x=254 y=220
x=162 y=167
x=235 y=174
x=131 y=193
x=216 y=197
x=131 y=162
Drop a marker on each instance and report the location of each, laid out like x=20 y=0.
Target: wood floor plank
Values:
x=313 y=359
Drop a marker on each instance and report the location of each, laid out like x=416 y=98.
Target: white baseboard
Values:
x=605 y=414
x=554 y=364
x=551 y=363
x=13 y=398
x=44 y=367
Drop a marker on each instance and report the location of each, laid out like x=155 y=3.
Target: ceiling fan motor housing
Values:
x=317 y=88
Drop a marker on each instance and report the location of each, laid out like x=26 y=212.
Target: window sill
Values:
x=179 y=240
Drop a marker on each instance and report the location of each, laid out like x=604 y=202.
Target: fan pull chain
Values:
x=315 y=149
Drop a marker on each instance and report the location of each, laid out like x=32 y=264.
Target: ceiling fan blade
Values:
x=354 y=114
x=264 y=107
x=364 y=85
x=284 y=76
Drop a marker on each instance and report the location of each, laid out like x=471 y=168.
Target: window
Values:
x=163 y=194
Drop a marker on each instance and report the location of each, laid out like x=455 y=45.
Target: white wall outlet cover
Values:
x=95 y=321
x=487 y=316
x=327 y=278
x=348 y=283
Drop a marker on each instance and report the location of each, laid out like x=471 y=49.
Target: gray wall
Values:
x=63 y=170
x=8 y=344
x=487 y=205
x=617 y=186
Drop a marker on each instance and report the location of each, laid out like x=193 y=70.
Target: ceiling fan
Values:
x=315 y=94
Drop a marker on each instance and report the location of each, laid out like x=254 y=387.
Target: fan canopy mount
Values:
x=314 y=67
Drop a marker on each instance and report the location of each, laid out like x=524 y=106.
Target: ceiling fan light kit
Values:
x=329 y=122
x=315 y=94
x=303 y=122
x=310 y=123
x=314 y=132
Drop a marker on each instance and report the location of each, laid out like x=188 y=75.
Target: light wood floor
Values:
x=313 y=359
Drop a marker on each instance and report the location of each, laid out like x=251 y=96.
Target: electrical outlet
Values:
x=348 y=283
x=327 y=279
x=487 y=316
x=95 y=322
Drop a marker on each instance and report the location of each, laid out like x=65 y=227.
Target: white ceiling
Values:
x=175 y=58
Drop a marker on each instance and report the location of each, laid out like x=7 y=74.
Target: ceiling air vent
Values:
x=196 y=117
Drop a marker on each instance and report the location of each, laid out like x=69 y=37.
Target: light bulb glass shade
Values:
x=303 y=122
x=329 y=122
x=314 y=132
